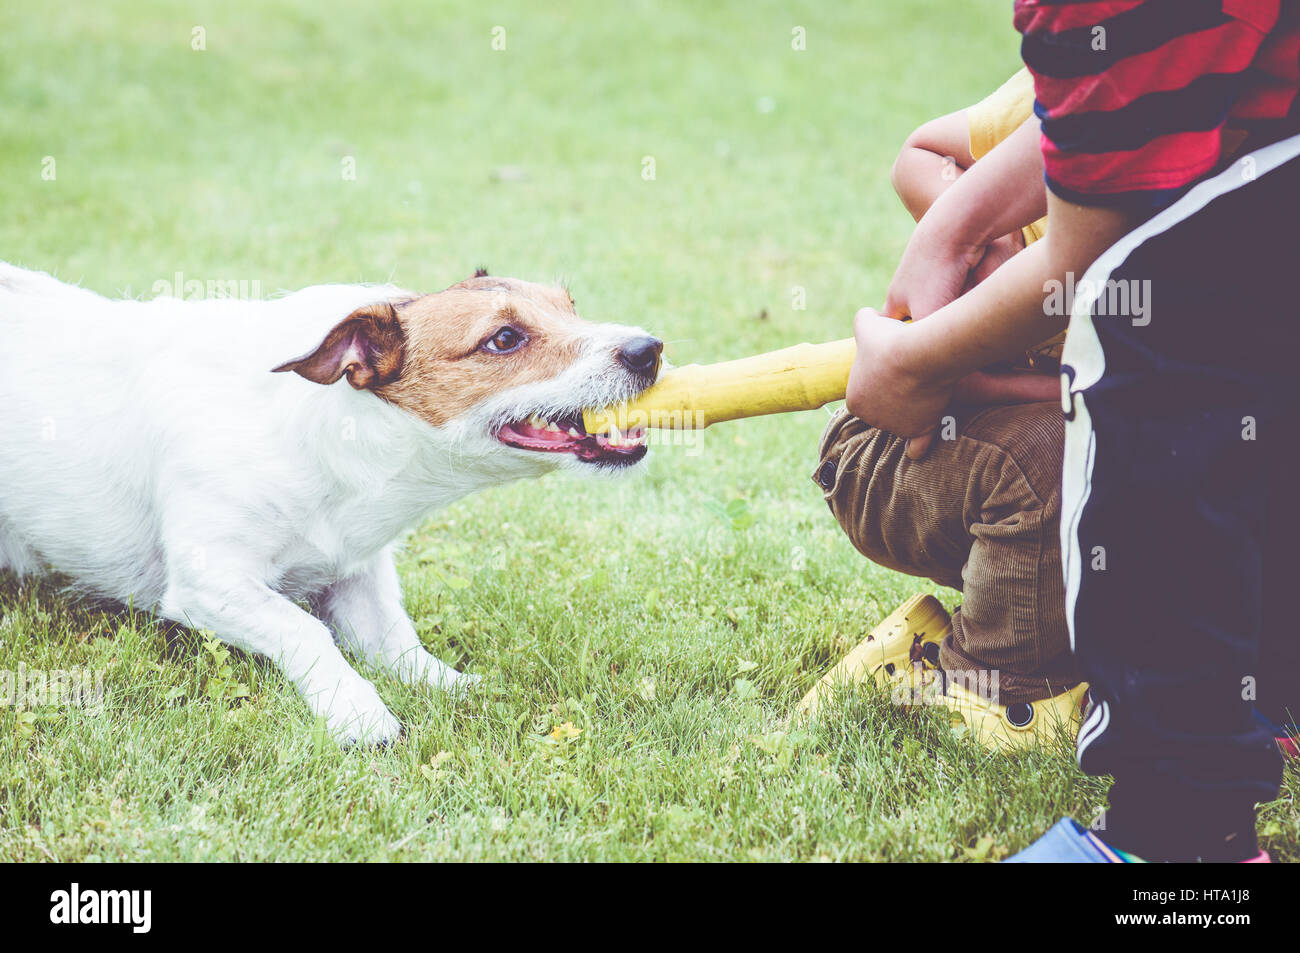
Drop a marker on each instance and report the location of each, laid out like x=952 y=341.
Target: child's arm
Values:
x=932 y=158
x=997 y=195
x=904 y=374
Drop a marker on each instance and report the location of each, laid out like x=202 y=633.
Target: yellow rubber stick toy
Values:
x=802 y=377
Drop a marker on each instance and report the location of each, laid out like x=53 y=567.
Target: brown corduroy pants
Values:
x=980 y=513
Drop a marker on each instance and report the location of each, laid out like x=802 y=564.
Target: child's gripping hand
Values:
x=889 y=385
x=893 y=385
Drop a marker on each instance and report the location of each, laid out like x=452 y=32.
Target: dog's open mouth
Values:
x=566 y=434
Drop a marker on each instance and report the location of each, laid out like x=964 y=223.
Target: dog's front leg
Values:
x=366 y=612
x=245 y=613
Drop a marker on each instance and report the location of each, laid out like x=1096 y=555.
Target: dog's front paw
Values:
x=461 y=685
x=356 y=715
x=446 y=679
x=422 y=667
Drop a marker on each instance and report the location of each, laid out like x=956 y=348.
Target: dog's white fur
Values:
x=147 y=452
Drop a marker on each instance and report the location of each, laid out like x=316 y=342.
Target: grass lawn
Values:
x=665 y=623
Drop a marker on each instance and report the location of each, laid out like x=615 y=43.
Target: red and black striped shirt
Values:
x=1141 y=98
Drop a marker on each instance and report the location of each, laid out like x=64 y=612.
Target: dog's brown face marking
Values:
x=437 y=355
x=478 y=338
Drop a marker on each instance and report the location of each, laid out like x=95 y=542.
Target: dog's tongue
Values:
x=537 y=435
x=531 y=437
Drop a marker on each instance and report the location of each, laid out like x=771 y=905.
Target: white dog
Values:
x=148 y=452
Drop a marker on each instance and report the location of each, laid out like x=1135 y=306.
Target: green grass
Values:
x=676 y=640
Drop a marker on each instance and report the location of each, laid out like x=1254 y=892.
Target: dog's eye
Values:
x=504 y=341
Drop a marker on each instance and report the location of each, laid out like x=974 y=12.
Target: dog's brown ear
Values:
x=368 y=346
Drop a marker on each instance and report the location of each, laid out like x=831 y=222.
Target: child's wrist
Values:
x=922 y=356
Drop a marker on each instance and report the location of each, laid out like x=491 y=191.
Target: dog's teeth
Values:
x=573 y=432
x=551 y=426
x=615 y=437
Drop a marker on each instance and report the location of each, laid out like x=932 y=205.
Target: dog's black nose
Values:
x=641 y=355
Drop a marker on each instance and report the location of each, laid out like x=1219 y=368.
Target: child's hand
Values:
x=893 y=387
x=889 y=387
x=935 y=267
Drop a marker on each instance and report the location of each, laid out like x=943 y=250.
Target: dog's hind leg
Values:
x=366 y=611
x=245 y=613
x=16 y=555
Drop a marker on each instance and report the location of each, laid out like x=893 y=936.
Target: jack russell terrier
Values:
x=148 y=452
